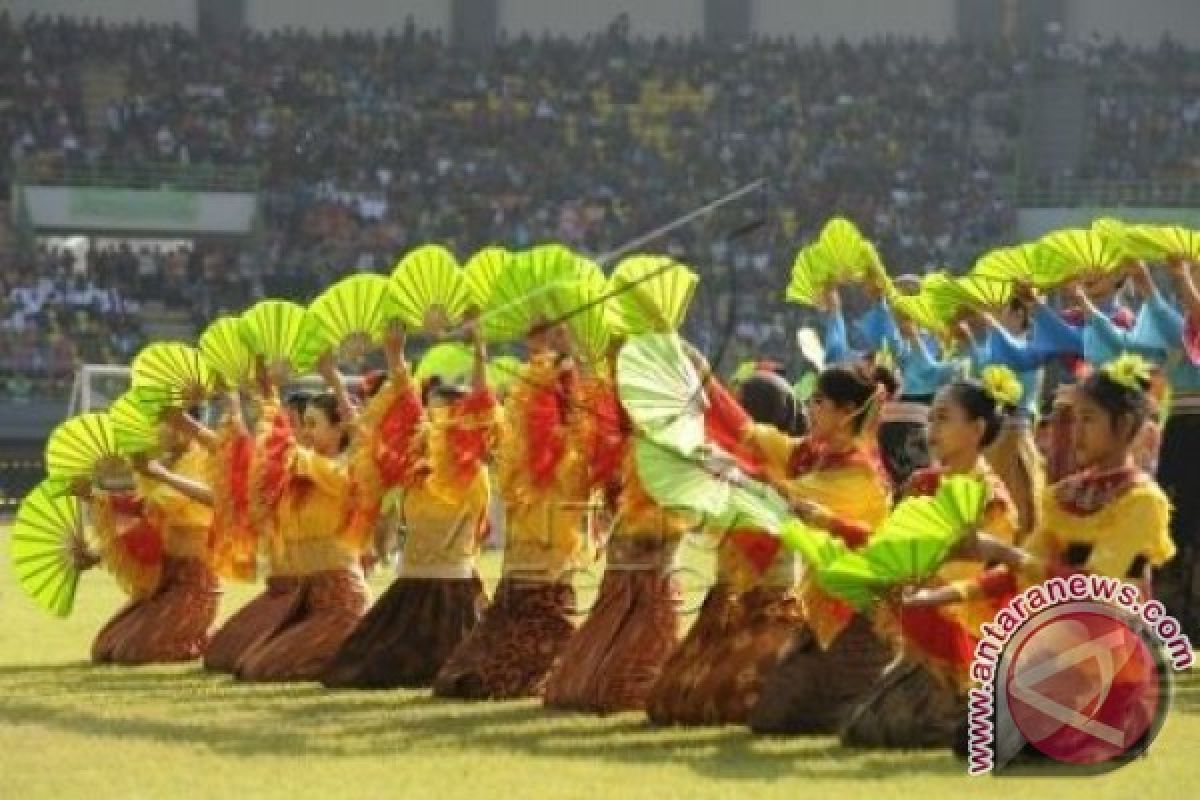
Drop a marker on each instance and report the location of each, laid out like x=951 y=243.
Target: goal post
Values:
x=96 y=387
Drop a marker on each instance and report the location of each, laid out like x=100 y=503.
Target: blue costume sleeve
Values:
x=877 y=326
x=1006 y=349
x=1051 y=335
x=837 y=348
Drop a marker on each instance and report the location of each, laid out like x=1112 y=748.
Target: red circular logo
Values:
x=1083 y=687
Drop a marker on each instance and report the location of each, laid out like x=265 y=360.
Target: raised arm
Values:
x=327 y=368
x=189 y=488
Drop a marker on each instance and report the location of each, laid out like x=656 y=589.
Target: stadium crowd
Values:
x=366 y=145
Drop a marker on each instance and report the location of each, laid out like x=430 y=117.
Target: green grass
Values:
x=70 y=730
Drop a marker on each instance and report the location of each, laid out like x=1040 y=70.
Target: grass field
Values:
x=70 y=730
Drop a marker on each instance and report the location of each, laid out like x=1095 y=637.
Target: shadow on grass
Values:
x=187 y=705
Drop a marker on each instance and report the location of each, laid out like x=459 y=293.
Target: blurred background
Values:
x=164 y=161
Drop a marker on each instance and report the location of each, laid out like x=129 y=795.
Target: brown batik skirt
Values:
x=330 y=604
x=170 y=625
x=408 y=634
x=814 y=690
x=910 y=708
x=254 y=623
x=615 y=658
x=716 y=675
x=514 y=646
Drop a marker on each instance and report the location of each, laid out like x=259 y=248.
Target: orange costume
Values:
x=436 y=456
x=543 y=478
x=832 y=660
x=920 y=699
x=313 y=553
x=156 y=543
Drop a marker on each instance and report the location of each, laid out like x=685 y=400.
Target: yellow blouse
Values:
x=547 y=528
x=184 y=522
x=311 y=514
x=1136 y=523
x=442 y=535
x=854 y=493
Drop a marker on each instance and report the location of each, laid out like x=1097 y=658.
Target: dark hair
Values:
x=1118 y=400
x=1017 y=305
x=298 y=401
x=973 y=399
x=448 y=392
x=326 y=402
x=431 y=385
x=767 y=398
x=852 y=386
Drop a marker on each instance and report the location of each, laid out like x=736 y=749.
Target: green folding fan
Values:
x=919 y=308
x=284 y=334
x=1116 y=233
x=852 y=578
x=852 y=256
x=84 y=446
x=920 y=532
x=1021 y=264
x=481 y=272
x=40 y=549
x=450 y=361
x=1159 y=242
x=661 y=391
x=429 y=290
x=225 y=351
x=582 y=304
x=984 y=292
x=524 y=292
x=812 y=274
x=354 y=312
x=1076 y=251
x=649 y=294
x=818 y=548
x=942 y=295
x=172 y=374
x=751 y=505
x=697 y=480
x=134 y=424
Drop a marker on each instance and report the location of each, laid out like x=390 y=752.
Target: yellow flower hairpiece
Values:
x=1129 y=370
x=1002 y=385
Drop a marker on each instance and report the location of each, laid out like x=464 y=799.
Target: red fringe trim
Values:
x=545 y=416
x=469 y=444
x=759 y=548
x=396 y=458
x=276 y=451
x=143 y=543
x=938 y=636
x=610 y=435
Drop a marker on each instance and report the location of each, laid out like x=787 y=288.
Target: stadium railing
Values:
x=191 y=177
x=1077 y=192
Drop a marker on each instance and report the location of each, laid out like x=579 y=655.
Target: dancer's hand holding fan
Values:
x=284 y=335
x=171 y=375
x=353 y=313
x=921 y=532
x=429 y=290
